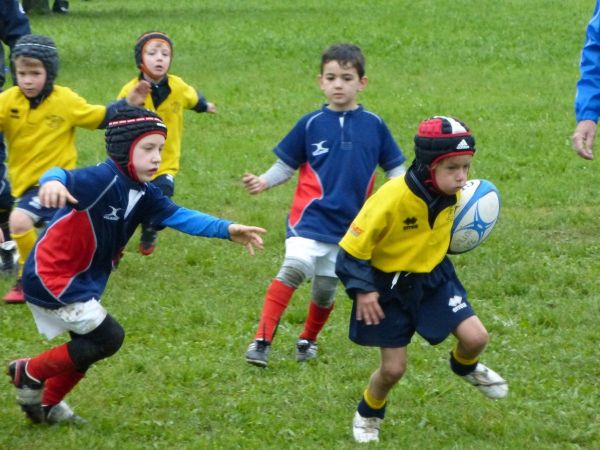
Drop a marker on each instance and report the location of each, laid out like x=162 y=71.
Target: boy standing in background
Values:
x=337 y=150
x=169 y=97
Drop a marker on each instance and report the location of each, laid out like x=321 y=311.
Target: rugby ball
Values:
x=476 y=214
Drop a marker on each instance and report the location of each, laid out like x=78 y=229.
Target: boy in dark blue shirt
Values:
x=66 y=273
x=336 y=151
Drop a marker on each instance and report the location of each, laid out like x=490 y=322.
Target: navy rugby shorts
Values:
x=6 y=198
x=432 y=305
x=29 y=203
x=165 y=183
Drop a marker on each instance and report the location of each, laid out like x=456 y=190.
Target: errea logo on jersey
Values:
x=456 y=303
x=319 y=150
x=410 y=223
x=112 y=215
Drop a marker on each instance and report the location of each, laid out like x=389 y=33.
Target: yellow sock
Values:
x=463 y=361
x=25 y=243
x=373 y=402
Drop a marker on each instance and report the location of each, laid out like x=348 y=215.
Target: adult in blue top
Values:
x=587 y=101
x=66 y=273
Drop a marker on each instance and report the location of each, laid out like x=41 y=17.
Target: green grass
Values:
x=180 y=382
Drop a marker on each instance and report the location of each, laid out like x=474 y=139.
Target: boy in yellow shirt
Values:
x=393 y=265
x=169 y=97
x=38 y=119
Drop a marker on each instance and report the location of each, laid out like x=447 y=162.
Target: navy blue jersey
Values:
x=337 y=154
x=14 y=23
x=73 y=258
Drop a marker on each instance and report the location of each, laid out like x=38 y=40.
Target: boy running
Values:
x=393 y=264
x=66 y=274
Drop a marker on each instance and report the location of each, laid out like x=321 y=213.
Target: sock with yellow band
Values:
x=461 y=365
x=370 y=406
x=25 y=243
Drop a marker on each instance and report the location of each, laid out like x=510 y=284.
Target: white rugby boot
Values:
x=366 y=429
x=488 y=382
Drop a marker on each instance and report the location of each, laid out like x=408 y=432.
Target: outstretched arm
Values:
x=211 y=108
x=137 y=96
x=198 y=223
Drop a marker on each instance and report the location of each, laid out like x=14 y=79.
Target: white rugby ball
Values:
x=476 y=214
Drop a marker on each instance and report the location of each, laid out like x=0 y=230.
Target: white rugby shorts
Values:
x=319 y=256
x=80 y=318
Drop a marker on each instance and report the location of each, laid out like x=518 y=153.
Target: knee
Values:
x=475 y=341
x=293 y=272
x=323 y=291
x=113 y=341
x=101 y=343
x=19 y=222
x=392 y=373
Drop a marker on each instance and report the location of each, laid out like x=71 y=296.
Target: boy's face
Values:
x=146 y=156
x=156 y=57
x=31 y=76
x=341 y=86
x=451 y=173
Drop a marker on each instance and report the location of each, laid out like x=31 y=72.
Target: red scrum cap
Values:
x=125 y=129
x=440 y=137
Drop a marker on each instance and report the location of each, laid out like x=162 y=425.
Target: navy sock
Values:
x=460 y=369
x=366 y=411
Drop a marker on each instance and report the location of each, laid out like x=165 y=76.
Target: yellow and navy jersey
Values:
x=400 y=229
x=44 y=137
x=182 y=97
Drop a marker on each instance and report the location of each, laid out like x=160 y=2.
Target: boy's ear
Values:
x=363 y=82
x=320 y=80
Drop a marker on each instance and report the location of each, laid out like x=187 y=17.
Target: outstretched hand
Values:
x=583 y=138
x=247 y=235
x=138 y=94
x=211 y=108
x=54 y=194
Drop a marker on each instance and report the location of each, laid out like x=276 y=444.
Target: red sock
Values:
x=315 y=321
x=51 y=363
x=276 y=300
x=56 y=388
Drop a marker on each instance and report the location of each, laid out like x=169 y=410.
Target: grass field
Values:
x=508 y=68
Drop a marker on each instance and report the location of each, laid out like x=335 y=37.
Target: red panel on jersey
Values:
x=309 y=189
x=62 y=254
